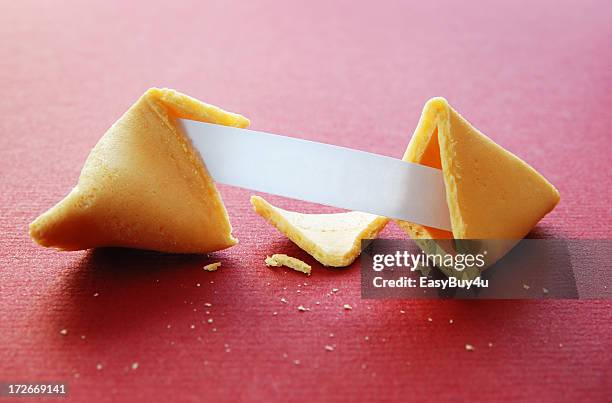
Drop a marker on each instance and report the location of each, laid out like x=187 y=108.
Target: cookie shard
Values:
x=332 y=239
x=280 y=259
x=144 y=186
x=491 y=193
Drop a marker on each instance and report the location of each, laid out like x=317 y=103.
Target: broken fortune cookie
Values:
x=144 y=186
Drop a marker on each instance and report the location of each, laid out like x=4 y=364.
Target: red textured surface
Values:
x=535 y=76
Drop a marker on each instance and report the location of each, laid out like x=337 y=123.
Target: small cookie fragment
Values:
x=212 y=266
x=332 y=239
x=279 y=259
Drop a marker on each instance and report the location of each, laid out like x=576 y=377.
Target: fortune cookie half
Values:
x=144 y=186
x=491 y=193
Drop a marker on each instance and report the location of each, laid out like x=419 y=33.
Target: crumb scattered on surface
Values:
x=296 y=362
x=280 y=259
x=96 y=294
x=329 y=348
x=490 y=344
x=525 y=286
x=192 y=327
x=366 y=338
x=274 y=313
x=134 y=365
x=429 y=319
x=283 y=300
x=331 y=335
x=207 y=304
x=450 y=321
x=212 y=266
x=63 y=332
x=347 y=307
x=210 y=320
x=335 y=290
x=99 y=366
x=545 y=290
x=302 y=308
x=402 y=311
x=198 y=284
x=469 y=347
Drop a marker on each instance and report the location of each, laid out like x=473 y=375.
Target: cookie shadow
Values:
x=115 y=291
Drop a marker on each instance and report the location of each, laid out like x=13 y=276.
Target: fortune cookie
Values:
x=144 y=186
x=492 y=195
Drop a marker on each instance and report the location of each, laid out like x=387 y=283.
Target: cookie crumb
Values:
x=469 y=347
x=329 y=348
x=134 y=366
x=525 y=286
x=63 y=332
x=212 y=266
x=347 y=307
x=279 y=259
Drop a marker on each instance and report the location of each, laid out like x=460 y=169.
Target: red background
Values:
x=534 y=76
